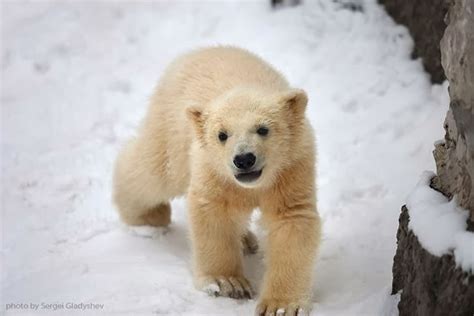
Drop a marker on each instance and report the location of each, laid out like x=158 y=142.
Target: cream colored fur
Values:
x=177 y=152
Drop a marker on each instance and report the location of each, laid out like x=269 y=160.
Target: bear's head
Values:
x=249 y=135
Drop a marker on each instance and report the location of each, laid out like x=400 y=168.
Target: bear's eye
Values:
x=262 y=131
x=223 y=136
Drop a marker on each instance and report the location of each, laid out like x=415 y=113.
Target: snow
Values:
x=147 y=231
x=464 y=250
x=76 y=77
x=439 y=224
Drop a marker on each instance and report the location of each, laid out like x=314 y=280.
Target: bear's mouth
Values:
x=248 y=176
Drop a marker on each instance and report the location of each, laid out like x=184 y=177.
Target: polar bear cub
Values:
x=226 y=130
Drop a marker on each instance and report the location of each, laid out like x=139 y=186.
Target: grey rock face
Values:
x=431 y=286
x=457 y=47
x=455 y=158
x=425 y=21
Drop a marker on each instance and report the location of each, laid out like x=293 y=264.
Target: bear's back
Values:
x=204 y=74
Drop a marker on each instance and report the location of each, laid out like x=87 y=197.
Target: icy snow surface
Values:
x=439 y=224
x=76 y=77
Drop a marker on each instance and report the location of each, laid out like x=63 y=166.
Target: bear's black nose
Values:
x=244 y=161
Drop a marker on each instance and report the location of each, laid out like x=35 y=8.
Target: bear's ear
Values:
x=294 y=102
x=197 y=119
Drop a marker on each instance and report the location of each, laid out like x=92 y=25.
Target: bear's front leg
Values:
x=216 y=237
x=293 y=239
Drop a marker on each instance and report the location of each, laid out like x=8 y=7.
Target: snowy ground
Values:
x=75 y=81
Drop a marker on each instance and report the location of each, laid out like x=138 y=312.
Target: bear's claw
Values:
x=277 y=308
x=233 y=287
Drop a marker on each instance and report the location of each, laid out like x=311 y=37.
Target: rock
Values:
x=433 y=285
x=455 y=158
x=276 y=3
x=457 y=47
x=430 y=285
x=425 y=21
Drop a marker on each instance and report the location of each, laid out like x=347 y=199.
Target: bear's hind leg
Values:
x=158 y=216
x=140 y=192
x=249 y=243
